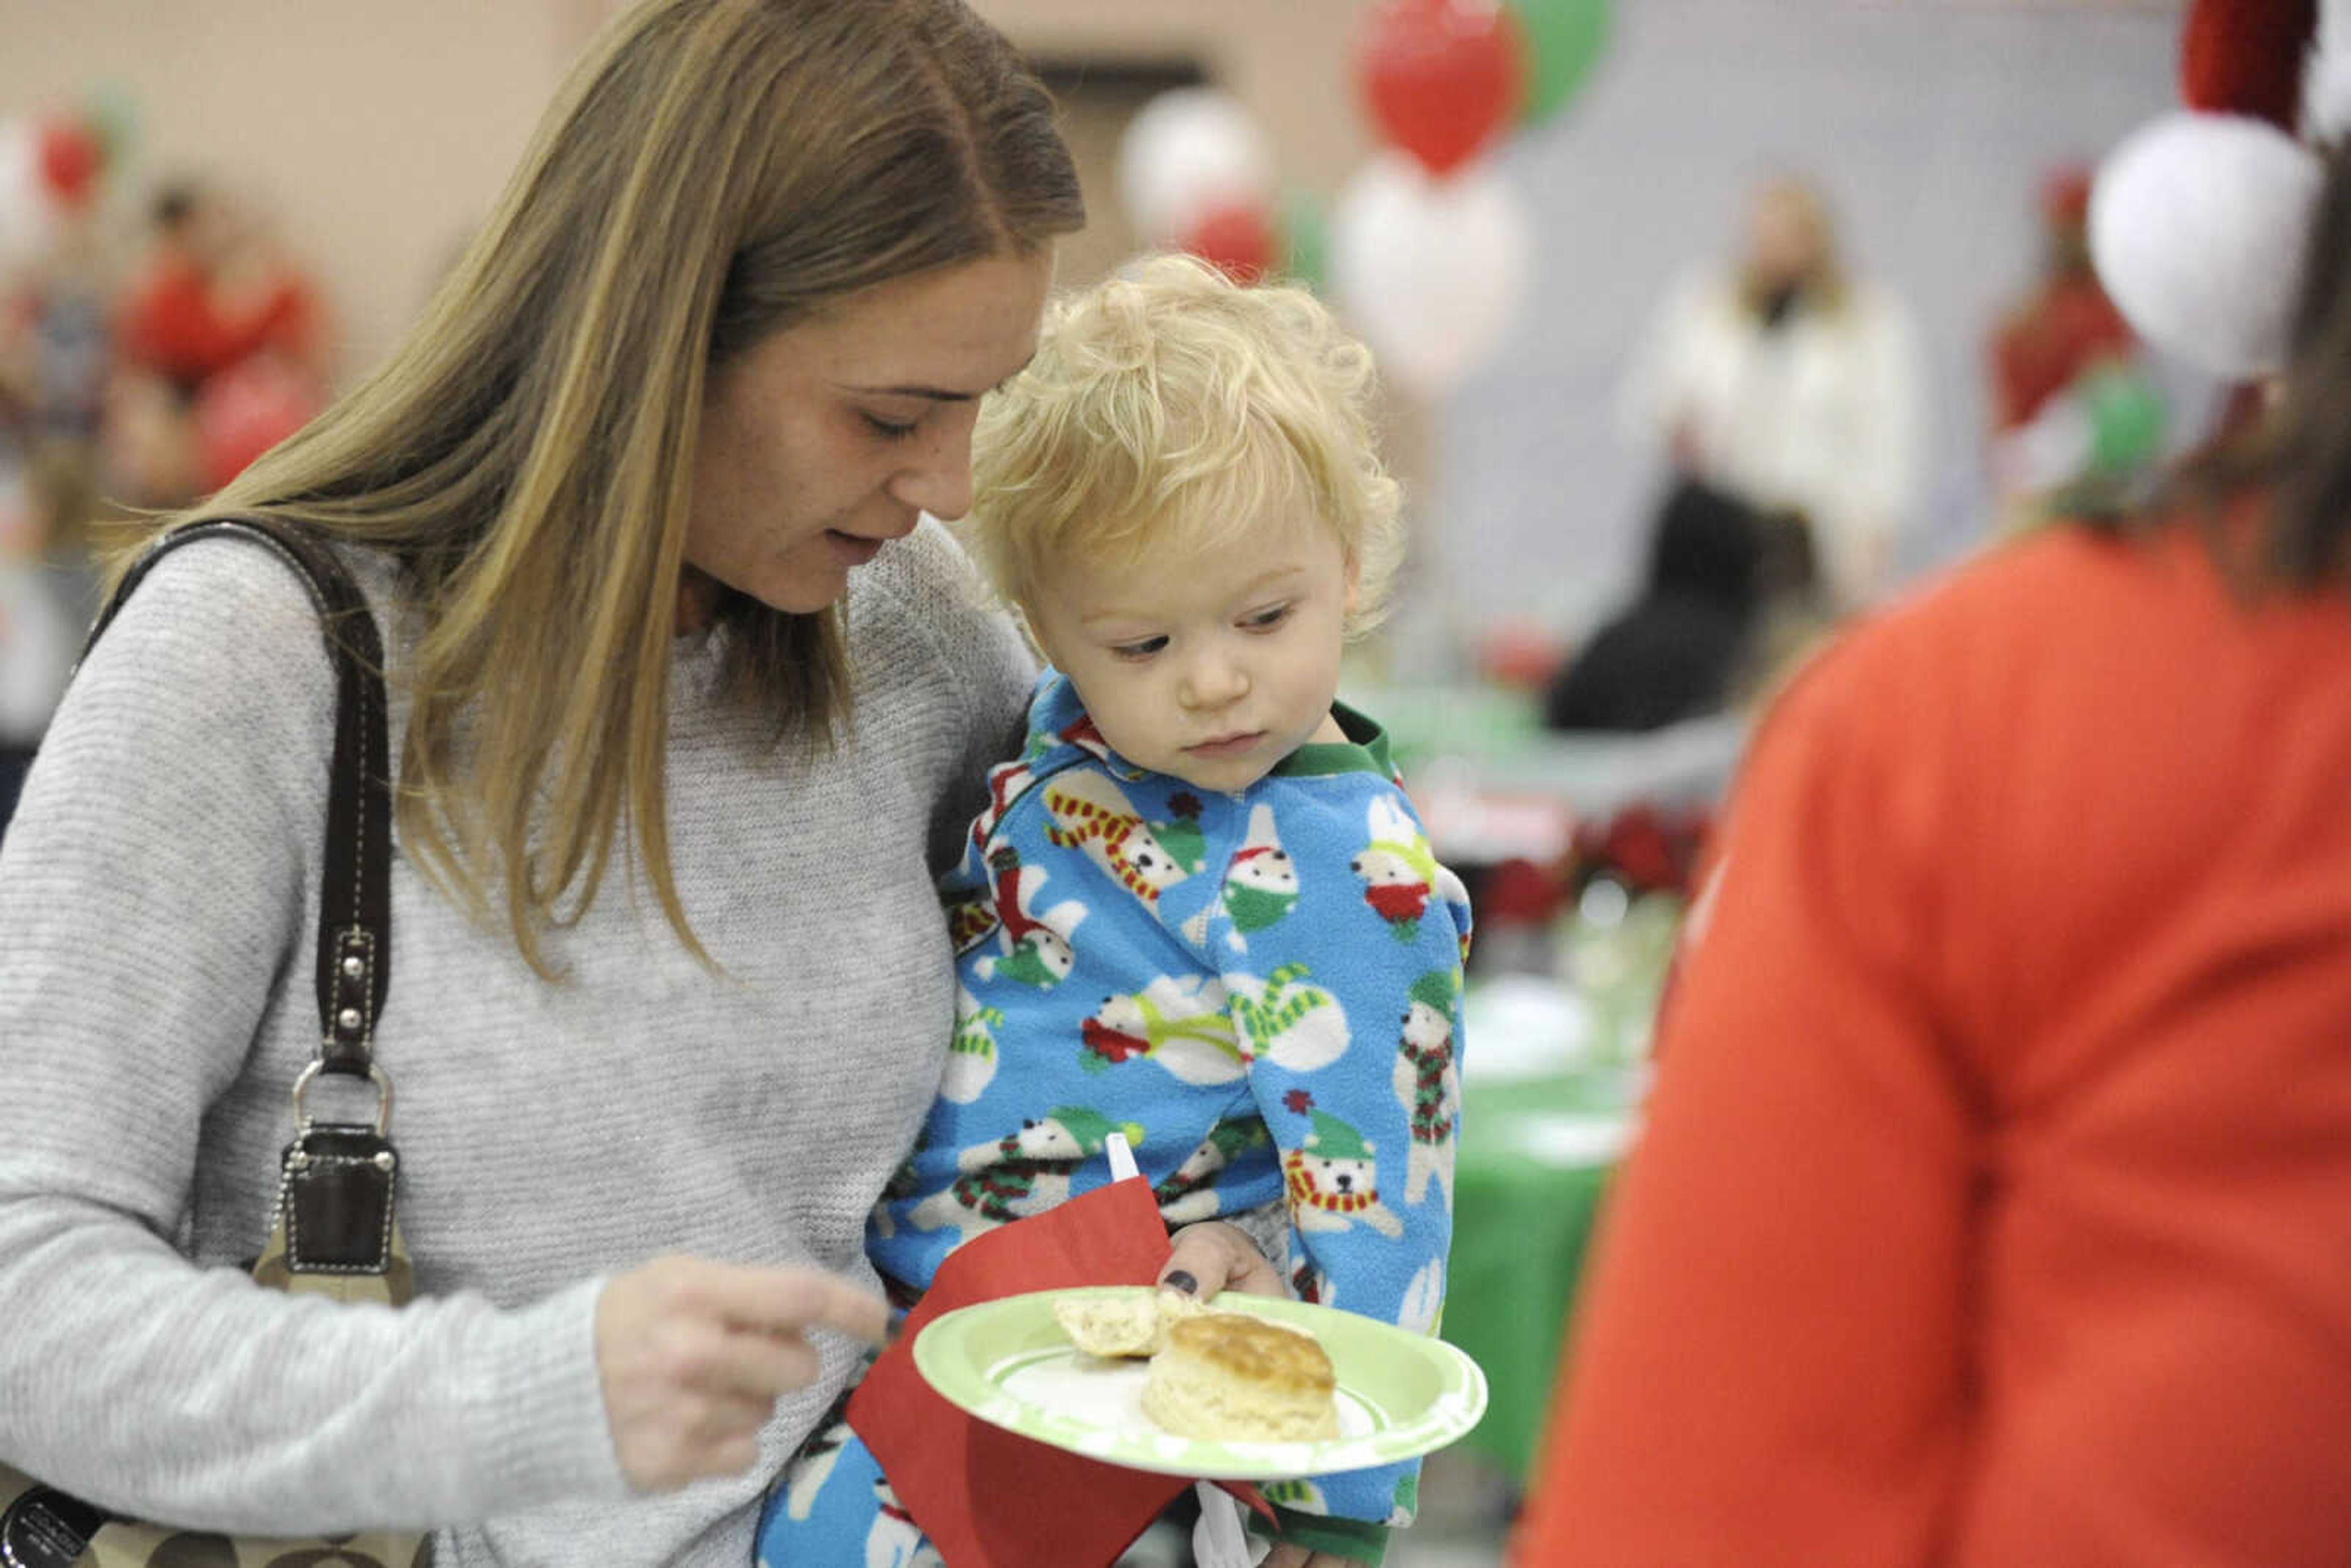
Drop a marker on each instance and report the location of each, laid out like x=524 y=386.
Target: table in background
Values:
x=1537 y=1152
x=1472 y=742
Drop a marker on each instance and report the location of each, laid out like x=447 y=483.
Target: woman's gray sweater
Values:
x=158 y=897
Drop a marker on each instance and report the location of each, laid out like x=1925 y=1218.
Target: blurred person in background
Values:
x=1680 y=650
x=212 y=289
x=2065 y=324
x=2072 y=423
x=57 y=366
x=1994 y=1204
x=58 y=353
x=222 y=336
x=1789 y=383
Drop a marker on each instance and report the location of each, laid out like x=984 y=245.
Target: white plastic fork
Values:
x=1122 y=1157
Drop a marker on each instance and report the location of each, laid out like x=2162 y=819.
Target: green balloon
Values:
x=1564 y=40
x=2128 y=419
x=112 y=115
x=1305 y=240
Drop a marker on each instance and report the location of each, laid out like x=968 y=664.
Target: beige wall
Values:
x=378 y=133
x=1286 y=59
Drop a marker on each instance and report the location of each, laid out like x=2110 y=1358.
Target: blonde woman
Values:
x=1787 y=382
x=690 y=703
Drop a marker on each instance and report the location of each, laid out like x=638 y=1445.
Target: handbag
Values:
x=333 y=1232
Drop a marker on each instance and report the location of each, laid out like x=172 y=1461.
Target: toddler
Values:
x=1199 y=909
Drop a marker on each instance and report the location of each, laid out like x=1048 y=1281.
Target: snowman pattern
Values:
x=1146 y=858
x=1398 y=869
x=1428 y=1084
x=1331 y=1181
x=1036 y=947
x=1401 y=874
x=1288 y=1019
x=1178 y=1021
x=1024 y=1172
x=1260 y=884
x=971 y=1050
x=895 y=1540
x=1189 y=1192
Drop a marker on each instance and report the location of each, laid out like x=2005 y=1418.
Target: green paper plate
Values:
x=1009 y=1363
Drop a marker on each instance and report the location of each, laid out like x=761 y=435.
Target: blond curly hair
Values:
x=1171 y=410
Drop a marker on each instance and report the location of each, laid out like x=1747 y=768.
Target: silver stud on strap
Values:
x=353 y=969
x=348 y=1017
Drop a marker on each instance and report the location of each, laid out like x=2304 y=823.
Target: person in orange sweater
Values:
x=1994 y=1206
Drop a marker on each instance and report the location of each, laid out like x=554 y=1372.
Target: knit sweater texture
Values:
x=157 y=897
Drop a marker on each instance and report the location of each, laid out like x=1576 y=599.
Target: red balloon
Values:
x=69 y=155
x=1238 y=238
x=1442 y=77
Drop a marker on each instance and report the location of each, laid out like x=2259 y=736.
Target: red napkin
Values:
x=992 y=1498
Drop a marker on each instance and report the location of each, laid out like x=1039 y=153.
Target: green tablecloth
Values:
x=1533 y=1164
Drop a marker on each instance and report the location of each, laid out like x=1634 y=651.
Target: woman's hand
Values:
x=1213 y=1256
x=693 y=1355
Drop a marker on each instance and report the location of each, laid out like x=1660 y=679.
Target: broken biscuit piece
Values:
x=1131 y=1324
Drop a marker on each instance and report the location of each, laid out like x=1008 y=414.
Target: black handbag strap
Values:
x=354 y=945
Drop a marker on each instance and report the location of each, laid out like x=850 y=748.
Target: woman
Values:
x=688 y=701
x=1794 y=386
x=1995 y=1207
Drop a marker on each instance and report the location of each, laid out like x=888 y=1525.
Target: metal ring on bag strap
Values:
x=376 y=1075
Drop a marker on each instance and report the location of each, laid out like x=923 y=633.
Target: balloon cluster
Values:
x=1426 y=247
x=53 y=167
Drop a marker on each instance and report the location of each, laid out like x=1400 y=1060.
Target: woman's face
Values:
x=1787 y=238
x=831 y=438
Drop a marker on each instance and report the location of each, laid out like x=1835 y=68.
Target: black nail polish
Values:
x=1182 y=1281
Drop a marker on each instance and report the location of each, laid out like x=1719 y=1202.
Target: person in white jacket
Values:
x=1794 y=385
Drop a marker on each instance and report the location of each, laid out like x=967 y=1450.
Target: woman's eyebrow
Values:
x=936 y=394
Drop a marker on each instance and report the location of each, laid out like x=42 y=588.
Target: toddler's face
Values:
x=1210 y=667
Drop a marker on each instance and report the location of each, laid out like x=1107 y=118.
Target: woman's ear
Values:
x=1354 y=580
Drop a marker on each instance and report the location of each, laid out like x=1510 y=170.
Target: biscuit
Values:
x=1234 y=1378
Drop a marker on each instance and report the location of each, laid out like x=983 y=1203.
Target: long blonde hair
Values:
x=712 y=172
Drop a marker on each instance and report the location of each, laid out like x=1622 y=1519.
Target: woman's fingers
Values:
x=784 y=1299
x=693 y=1355
x=1213 y=1256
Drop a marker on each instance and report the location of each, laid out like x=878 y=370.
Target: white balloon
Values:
x=26 y=221
x=1433 y=272
x=1185 y=153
